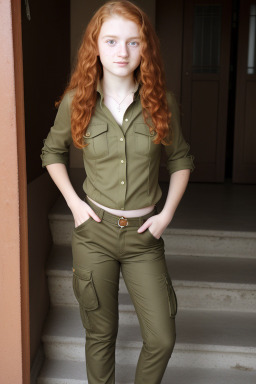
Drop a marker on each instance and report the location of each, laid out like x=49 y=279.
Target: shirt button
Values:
x=122 y=161
x=87 y=134
x=122 y=182
x=121 y=139
x=126 y=120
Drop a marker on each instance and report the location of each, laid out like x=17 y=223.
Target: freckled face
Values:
x=119 y=46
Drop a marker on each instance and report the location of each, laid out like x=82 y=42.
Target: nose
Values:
x=123 y=51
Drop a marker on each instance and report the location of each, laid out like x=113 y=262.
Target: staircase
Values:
x=214 y=276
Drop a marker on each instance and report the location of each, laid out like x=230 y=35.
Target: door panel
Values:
x=206 y=50
x=204 y=121
x=244 y=169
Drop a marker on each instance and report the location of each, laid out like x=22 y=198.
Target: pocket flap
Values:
x=143 y=129
x=81 y=273
x=95 y=130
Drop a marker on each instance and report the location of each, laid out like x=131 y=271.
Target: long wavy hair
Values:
x=149 y=74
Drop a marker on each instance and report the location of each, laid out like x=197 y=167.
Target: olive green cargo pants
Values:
x=99 y=251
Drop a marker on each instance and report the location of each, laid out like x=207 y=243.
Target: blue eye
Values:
x=134 y=43
x=111 y=42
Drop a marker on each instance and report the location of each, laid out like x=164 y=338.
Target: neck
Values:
x=117 y=86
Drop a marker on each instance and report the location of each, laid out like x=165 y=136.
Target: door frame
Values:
x=243 y=170
x=15 y=335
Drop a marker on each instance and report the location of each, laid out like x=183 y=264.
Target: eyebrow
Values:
x=130 y=38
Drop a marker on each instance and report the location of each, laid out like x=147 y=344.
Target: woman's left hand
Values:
x=156 y=225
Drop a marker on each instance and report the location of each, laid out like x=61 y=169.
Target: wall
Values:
x=169 y=27
x=11 y=369
x=46 y=62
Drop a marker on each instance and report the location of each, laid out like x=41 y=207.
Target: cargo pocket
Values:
x=85 y=294
x=172 y=299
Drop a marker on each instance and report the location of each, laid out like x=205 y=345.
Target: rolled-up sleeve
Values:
x=56 y=145
x=178 y=156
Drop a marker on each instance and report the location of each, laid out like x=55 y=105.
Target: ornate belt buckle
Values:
x=122 y=222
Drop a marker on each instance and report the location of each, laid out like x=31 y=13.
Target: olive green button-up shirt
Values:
x=121 y=162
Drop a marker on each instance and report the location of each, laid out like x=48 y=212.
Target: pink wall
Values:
x=10 y=290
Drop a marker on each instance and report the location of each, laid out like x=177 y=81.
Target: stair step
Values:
x=62 y=372
x=74 y=372
x=205 y=339
x=199 y=282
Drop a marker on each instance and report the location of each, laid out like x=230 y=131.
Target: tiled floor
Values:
x=227 y=206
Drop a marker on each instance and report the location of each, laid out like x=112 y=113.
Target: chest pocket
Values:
x=96 y=138
x=143 y=138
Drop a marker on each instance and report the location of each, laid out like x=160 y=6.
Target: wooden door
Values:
x=205 y=75
x=244 y=160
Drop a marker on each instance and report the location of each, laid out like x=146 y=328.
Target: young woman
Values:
x=116 y=109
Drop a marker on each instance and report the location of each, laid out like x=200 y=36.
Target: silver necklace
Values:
x=119 y=104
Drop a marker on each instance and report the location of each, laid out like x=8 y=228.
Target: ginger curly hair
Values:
x=150 y=74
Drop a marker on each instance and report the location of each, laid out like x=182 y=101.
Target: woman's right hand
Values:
x=82 y=211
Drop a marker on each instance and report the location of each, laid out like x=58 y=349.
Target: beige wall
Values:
x=10 y=282
x=81 y=13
